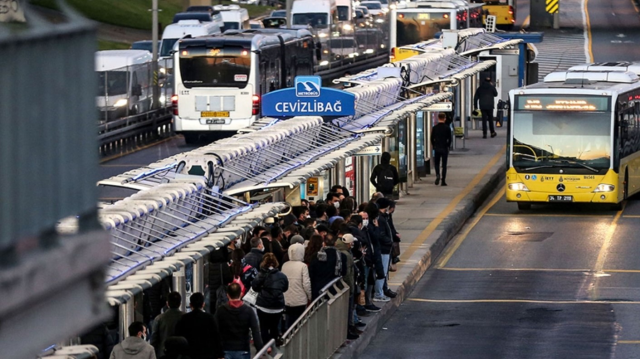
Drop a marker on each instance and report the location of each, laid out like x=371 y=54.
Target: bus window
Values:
x=212 y=67
x=417 y=27
x=315 y=20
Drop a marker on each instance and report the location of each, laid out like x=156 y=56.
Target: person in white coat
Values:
x=298 y=295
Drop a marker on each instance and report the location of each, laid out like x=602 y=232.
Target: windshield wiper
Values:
x=525 y=155
x=558 y=164
x=579 y=164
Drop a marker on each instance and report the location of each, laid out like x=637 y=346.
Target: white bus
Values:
x=220 y=80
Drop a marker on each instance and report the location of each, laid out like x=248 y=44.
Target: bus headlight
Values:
x=519 y=186
x=121 y=102
x=603 y=187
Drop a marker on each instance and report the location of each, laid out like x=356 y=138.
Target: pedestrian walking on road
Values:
x=200 y=330
x=441 y=141
x=237 y=324
x=484 y=97
x=384 y=176
x=165 y=324
x=135 y=346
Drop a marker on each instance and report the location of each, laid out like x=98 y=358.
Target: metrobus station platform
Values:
x=429 y=216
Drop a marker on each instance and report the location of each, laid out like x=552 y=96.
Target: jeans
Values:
x=236 y=355
x=380 y=282
x=444 y=155
x=487 y=116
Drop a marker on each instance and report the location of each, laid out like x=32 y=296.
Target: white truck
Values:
x=320 y=15
x=124 y=83
x=234 y=17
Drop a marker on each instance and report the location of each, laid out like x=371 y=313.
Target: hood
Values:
x=341 y=245
x=296 y=252
x=385 y=159
x=133 y=345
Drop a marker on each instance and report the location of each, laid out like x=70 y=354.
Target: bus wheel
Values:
x=524 y=206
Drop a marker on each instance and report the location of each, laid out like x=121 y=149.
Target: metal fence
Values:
x=321 y=329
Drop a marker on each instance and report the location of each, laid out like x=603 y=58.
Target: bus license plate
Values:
x=560 y=198
x=215 y=121
x=214 y=114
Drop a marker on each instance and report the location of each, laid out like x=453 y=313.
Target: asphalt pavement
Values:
x=430 y=216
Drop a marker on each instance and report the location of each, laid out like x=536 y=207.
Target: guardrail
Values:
x=152 y=123
x=319 y=331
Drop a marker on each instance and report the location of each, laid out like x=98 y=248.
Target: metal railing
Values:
x=319 y=331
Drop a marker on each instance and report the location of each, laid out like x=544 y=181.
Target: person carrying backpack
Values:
x=384 y=176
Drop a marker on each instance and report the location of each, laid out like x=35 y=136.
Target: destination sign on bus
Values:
x=562 y=103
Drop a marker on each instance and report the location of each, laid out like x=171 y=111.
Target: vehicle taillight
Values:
x=510 y=10
x=392 y=56
x=255 y=109
x=174 y=104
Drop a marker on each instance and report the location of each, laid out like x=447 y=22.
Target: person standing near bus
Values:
x=485 y=97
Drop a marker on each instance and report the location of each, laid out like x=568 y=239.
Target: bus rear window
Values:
x=416 y=27
x=215 y=67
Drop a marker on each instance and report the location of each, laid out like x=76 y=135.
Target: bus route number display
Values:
x=562 y=103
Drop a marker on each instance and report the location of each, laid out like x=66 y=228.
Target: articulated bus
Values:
x=220 y=80
x=576 y=137
x=417 y=21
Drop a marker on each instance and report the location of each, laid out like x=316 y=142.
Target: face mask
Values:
x=365 y=222
x=308 y=216
x=336 y=204
x=143 y=338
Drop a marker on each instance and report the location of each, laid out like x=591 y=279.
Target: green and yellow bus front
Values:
x=560 y=147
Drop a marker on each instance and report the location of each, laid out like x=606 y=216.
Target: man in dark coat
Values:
x=237 y=324
x=384 y=176
x=329 y=264
x=165 y=324
x=441 y=141
x=484 y=96
x=254 y=257
x=200 y=330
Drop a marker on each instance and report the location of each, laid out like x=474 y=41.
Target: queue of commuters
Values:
x=283 y=266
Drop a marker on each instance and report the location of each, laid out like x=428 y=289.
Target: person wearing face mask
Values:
x=331 y=200
x=135 y=345
x=358 y=226
x=332 y=214
x=254 y=257
x=386 y=246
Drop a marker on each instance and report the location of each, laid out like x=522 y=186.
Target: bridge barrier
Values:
x=319 y=331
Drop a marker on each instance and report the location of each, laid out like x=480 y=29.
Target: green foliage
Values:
x=110 y=45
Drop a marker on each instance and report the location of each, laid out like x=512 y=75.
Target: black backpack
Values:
x=385 y=179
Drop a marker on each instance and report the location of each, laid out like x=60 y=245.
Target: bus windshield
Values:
x=547 y=139
x=231 y=25
x=111 y=83
x=416 y=27
x=167 y=46
x=315 y=20
x=229 y=66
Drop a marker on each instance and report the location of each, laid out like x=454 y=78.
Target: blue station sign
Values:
x=308 y=98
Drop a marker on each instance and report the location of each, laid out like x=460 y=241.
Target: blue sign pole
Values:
x=308 y=98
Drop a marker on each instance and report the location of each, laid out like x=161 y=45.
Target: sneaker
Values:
x=371 y=308
x=389 y=293
x=381 y=299
x=493 y=134
x=361 y=324
x=352 y=336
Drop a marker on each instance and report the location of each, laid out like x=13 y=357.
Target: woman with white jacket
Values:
x=299 y=292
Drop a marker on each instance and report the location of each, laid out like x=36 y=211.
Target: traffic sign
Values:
x=552 y=6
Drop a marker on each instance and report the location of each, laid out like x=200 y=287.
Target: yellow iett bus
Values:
x=576 y=137
x=503 y=10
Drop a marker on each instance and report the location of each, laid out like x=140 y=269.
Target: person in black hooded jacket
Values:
x=384 y=176
x=270 y=285
x=484 y=97
x=328 y=264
